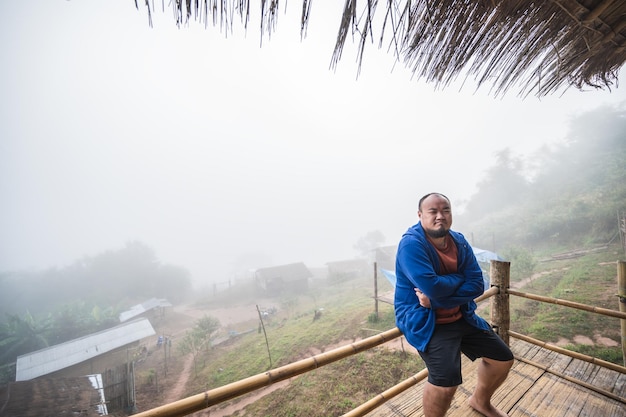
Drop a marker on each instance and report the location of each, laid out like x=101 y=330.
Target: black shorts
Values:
x=443 y=353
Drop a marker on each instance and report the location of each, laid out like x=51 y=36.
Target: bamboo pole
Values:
x=491 y=291
x=376 y=289
x=569 y=353
x=574 y=380
x=500 y=315
x=235 y=389
x=621 y=293
x=267 y=343
x=579 y=306
x=383 y=397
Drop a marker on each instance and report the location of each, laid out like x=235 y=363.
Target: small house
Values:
x=155 y=305
x=290 y=278
x=80 y=351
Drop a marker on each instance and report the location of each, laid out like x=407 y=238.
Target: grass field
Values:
x=348 y=315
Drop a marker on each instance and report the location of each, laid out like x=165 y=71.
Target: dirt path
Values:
x=244 y=401
x=179 y=388
x=229 y=408
x=522 y=283
x=227 y=317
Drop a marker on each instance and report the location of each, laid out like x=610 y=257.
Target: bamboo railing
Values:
x=227 y=392
x=572 y=304
x=568 y=352
x=621 y=314
x=621 y=294
x=500 y=317
x=387 y=395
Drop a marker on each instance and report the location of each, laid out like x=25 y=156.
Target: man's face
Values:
x=436 y=216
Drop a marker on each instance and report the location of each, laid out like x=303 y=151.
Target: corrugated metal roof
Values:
x=54 y=358
x=138 y=309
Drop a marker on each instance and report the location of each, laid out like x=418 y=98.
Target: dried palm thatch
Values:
x=537 y=46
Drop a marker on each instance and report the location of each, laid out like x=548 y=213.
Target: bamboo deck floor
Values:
x=530 y=390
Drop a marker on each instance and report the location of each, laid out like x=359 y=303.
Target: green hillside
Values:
x=565 y=197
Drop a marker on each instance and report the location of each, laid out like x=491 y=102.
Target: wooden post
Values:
x=621 y=293
x=376 y=290
x=269 y=354
x=500 y=316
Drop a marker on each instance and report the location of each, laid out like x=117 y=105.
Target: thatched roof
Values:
x=534 y=47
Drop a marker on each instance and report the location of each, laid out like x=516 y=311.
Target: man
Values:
x=438 y=278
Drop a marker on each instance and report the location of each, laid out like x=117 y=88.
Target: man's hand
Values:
x=424 y=300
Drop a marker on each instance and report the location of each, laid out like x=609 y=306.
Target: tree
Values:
x=206 y=326
x=79 y=318
x=129 y=271
x=366 y=244
x=572 y=197
x=112 y=279
x=504 y=185
x=523 y=262
x=199 y=337
x=21 y=335
x=192 y=344
x=172 y=282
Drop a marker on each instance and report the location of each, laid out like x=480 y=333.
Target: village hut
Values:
x=72 y=396
x=289 y=278
x=80 y=353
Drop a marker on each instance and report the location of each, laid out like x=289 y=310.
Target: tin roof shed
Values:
x=69 y=396
x=61 y=356
x=138 y=309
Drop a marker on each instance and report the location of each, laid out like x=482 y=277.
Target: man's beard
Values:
x=436 y=233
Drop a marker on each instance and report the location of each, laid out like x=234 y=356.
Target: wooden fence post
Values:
x=376 y=289
x=621 y=293
x=500 y=316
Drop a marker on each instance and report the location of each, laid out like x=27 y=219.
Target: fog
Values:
x=218 y=153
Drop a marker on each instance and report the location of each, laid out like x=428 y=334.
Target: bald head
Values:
x=435 y=214
x=419 y=205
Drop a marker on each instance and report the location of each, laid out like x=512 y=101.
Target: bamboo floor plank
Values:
x=409 y=403
x=620 y=386
x=605 y=380
x=521 y=379
x=530 y=391
x=548 y=397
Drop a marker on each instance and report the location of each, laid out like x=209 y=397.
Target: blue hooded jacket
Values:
x=418 y=266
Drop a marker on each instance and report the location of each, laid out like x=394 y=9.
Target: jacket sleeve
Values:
x=417 y=323
x=417 y=264
x=444 y=291
x=472 y=284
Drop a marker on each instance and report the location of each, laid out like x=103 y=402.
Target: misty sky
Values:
x=210 y=149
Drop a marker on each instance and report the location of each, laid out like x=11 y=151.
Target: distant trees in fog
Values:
x=52 y=306
x=569 y=194
x=115 y=278
x=369 y=242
